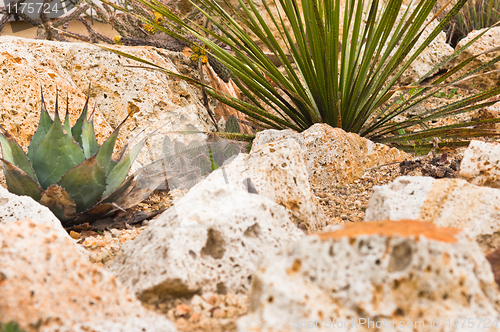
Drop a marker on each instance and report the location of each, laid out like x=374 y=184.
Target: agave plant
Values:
x=66 y=170
x=345 y=77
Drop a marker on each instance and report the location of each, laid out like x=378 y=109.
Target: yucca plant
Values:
x=345 y=77
x=66 y=170
x=475 y=15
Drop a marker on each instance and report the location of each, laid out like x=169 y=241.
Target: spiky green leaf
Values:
x=121 y=190
x=56 y=154
x=119 y=172
x=42 y=130
x=85 y=183
x=19 y=183
x=77 y=129
x=105 y=152
x=67 y=123
x=12 y=152
x=89 y=141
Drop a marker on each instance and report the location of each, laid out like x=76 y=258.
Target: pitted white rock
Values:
x=410 y=277
x=210 y=241
x=446 y=202
x=278 y=171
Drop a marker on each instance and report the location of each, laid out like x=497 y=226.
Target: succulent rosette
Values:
x=66 y=169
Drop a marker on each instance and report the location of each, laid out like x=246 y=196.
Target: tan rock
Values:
x=211 y=240
x=155 y=98
x=332 y=155
x=278 y=171
x=481 y=164
x=489 y=40
x=14 y=208
x=46 y=285
x=380 y=272
x=446 y=202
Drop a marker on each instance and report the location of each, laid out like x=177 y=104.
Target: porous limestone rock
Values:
x=481 y=164
x=210 y=241
x=14 y=208
x=489 y=40
x=46 y=286
x=383 y=272
x=278 y=171
x=155 y=99
x=446 y=202
x=332 y=155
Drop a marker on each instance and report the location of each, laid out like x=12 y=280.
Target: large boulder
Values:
x=210 y=241
x=332 y=155
x=278 y=171
x=446 y=202
x=26 y=65
x=14 y=208
x=481 y=164
x=489 y=40
x=374 y=276
x=46 y=285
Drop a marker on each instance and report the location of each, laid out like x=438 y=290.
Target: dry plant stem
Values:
x=205 y=98
x=75 y=14
x=8 y=15
x=3 y=21
x=94 y=36
x=32 y=21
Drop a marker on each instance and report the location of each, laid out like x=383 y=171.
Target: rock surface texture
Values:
x=383 y=272
x=278 y=171
x=14 y=208
x=446 y=202
x=481 y=164
x=60 y=290
x=332 y=155
x=210 y=241
x=489 y=40
x=27 y=64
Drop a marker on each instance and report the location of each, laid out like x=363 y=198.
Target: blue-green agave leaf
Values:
x=85 y=183
x=119 y=172
x=59 y=202
x=88 y=139
x=13 y=153
x=42 y=130
x=19 y=182
x=122 y=188
x=56 y=154
x=67 y=123
x=106 y=150
x=76 y=131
